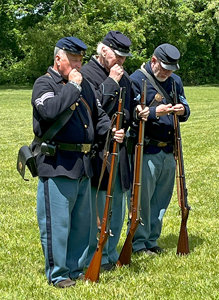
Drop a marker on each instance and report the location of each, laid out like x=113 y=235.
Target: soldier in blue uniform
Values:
x=105 y=71
x=64 y=190
x=158 y=173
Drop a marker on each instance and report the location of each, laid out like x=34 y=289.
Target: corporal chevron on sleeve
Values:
x=40 y=101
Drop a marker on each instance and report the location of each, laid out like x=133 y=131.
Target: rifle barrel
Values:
x=93 y=270
x=125 y=255
x=183 y=242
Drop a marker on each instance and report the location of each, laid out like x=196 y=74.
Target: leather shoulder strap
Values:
x=156 y=84
x=86 y=104
x=53 y=130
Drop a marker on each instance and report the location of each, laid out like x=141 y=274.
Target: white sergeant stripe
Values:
x=39 y=101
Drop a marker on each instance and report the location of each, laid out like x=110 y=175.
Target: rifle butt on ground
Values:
x=183 y=242
x=126 y=252
x=93 y=270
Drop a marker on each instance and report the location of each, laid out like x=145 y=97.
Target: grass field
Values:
x=192 y=277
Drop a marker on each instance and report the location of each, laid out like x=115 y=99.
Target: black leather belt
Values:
x=74 y=147
x=160 y=144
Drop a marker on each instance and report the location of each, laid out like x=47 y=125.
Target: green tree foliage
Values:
x=16 y=19
x=9 y=47
x=31 y=12
x=35 y=26
x=199 y=21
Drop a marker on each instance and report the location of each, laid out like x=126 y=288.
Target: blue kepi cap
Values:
x=72 y=44
x=119 y=42
x=168 y=55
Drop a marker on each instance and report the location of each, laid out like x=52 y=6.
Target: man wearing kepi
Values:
x=158 y=172
x=63 y=198
x=105 y=71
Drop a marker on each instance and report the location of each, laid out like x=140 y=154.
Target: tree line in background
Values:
x=31 y=28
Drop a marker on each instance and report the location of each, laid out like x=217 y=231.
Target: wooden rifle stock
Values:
x=183 y=243
x=93 y=270
x=126 y=252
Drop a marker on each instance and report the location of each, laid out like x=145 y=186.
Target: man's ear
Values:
x=57 y=59
x=103 y=51
x=153 y=59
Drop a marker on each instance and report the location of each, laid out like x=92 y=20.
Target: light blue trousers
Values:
x=158 y=177
x=63 y=212
x=110 y=254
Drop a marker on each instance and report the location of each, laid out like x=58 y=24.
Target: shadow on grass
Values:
x=139 y=263
x=170 y=241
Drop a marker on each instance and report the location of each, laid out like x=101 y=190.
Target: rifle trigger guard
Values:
x=140 y=222
x=110 y=233
x=98 y=233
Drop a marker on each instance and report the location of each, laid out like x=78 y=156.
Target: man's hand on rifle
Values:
x=142 y=113
x=179 y=109
x=118 y=135
x=164 y=109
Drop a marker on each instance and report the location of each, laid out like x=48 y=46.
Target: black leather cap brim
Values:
x=122 y=53
x=170 y=67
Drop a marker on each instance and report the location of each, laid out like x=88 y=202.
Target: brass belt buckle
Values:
x=162 y=144
x=85 y=148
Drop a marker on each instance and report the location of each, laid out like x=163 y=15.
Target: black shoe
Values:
x=107 y=267
x=156 y=250
x=146 y=251
x=65 y=283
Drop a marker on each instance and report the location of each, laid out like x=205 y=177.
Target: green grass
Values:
x=163 y=277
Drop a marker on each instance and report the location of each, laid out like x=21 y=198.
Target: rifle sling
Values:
x=104 y=164
x=156 y=84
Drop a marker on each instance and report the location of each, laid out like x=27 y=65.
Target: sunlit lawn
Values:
x=164 y=277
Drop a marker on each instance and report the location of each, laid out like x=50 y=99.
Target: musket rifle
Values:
x=182 y=193
x=135 y=201
x=93 y=270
